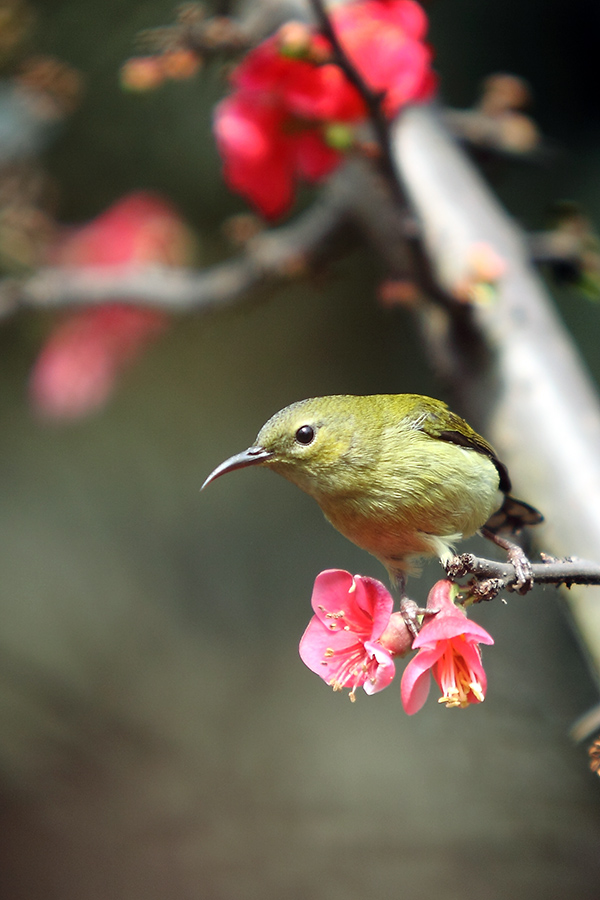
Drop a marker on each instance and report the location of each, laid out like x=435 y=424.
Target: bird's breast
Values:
x=447 y=492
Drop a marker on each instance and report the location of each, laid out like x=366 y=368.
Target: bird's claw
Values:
x=517 y=558
x=410 y=613
x=522 y=566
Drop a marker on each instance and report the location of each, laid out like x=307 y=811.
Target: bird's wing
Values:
x=444 y=425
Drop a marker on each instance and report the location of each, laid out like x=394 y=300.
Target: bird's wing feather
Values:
x=444 y=425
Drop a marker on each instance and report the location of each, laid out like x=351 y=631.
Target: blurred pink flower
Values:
x=297 y=85
x=275 y=128
x=76 y=371
x=384 y=39
x=270 y=131
x=353 y=636
x=78 y=367
x=264 y=153
x=448 y=646
x=139 y=227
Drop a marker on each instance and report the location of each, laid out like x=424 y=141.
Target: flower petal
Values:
x=343 y=602
x=472 y=658
x=334 y=594
x=340 y=642
x=314 y=159
x=383 y=39
x=376 y=601
x=257 y=160
x=243 y=131
x=414 y=687
x=322 y=651
x=382 y=669
x=445 y=626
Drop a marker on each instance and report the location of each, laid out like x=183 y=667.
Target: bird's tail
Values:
x=513 y=515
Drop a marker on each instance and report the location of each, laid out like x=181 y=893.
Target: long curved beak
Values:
x=253 y=456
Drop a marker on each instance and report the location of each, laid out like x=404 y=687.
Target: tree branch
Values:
x=512 y=134
x=568 y=571
x=372 y=100
x=271 y=256
x=529 y=392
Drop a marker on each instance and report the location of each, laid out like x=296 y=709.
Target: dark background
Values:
x=159 y=736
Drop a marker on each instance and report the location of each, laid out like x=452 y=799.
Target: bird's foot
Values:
x=517 y=558
x=411 y=613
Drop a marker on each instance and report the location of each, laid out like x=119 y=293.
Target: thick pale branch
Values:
x=530 y=393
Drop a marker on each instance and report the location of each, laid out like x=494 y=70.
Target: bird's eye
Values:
x=305 y=434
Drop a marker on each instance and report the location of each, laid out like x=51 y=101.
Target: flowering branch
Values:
x=201 y=34
x=274 y=255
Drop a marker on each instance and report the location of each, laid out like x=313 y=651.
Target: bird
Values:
x=400 y=475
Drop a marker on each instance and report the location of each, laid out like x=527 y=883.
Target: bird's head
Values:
x=313 y=443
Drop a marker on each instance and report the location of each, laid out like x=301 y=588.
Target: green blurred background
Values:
x=159 y=736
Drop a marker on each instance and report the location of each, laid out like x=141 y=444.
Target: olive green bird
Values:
x=400 y=475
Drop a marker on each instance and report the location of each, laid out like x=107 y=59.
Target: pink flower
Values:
x=264 y=153
x=274 y=128
x=77 y=369
x=297 y=86
x=384 y=40
x=139 y=227
x=353 y=636
x=448 y=647
x=271 y=130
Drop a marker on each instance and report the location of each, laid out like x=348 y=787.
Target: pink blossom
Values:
x=271 y=130
x=353 y=636
x=384 y=40
x=77 y=369
x=448 y=646
x=139 y=227
x=265 y=152
x=297 y=86
x=274 y=128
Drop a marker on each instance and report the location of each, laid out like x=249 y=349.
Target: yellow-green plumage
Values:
x=400 y=475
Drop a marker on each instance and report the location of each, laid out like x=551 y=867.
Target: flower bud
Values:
x=339 y=136
x=294 y=40
x=396 y=638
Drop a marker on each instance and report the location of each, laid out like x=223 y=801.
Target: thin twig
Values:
x=372 y=99
x=568 y=571
x=513 y=134
x=556 y=248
